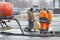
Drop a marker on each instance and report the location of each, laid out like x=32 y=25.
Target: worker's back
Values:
x=43 y=14
x=30 y=15
x=49 y=15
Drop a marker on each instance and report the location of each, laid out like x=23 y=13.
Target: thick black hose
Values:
x=19 y=25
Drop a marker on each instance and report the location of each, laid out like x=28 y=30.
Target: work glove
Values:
x=33 y=20
x=49 y=21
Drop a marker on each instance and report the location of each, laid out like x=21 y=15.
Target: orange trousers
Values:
x=48 y=25
x=44 y=26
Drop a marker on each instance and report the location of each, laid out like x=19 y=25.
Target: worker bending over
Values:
x=49 y=13
x=43 y=19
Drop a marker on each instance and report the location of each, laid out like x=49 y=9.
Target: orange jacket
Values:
x=49 y=15
x=43 y=14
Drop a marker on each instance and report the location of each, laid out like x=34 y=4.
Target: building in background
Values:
x=53 y=5
x=27 y=3
x=1 y=0
x=56 y=6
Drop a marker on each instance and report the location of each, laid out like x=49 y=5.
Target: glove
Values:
x=49 y=21
x=33 y=20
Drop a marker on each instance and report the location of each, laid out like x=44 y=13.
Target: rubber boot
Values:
x=29 y=30
x=51 y=32
x=45 y=31
x=41 y=31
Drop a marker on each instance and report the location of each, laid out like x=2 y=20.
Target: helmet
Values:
x=44 y=9
x=31 y=9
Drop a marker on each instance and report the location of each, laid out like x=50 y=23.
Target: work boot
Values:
x=41 y=31
x=29 y=30
x=51 y=32
x=47 y=29
x=44 y=31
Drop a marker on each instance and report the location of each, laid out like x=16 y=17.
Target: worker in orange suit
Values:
x=49 y=13
x=43 y=19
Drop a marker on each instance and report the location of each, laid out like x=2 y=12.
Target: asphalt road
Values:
x=55 y=26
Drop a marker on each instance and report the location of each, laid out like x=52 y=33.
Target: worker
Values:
x=49 y=13
x=43 y=19
x=30 y=19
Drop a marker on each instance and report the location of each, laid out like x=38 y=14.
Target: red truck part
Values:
x=5 y=9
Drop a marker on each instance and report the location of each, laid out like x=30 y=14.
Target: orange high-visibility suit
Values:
x=49 y=18
x=43 y=15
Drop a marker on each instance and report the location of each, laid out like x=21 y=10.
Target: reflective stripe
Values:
x=43 y=19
